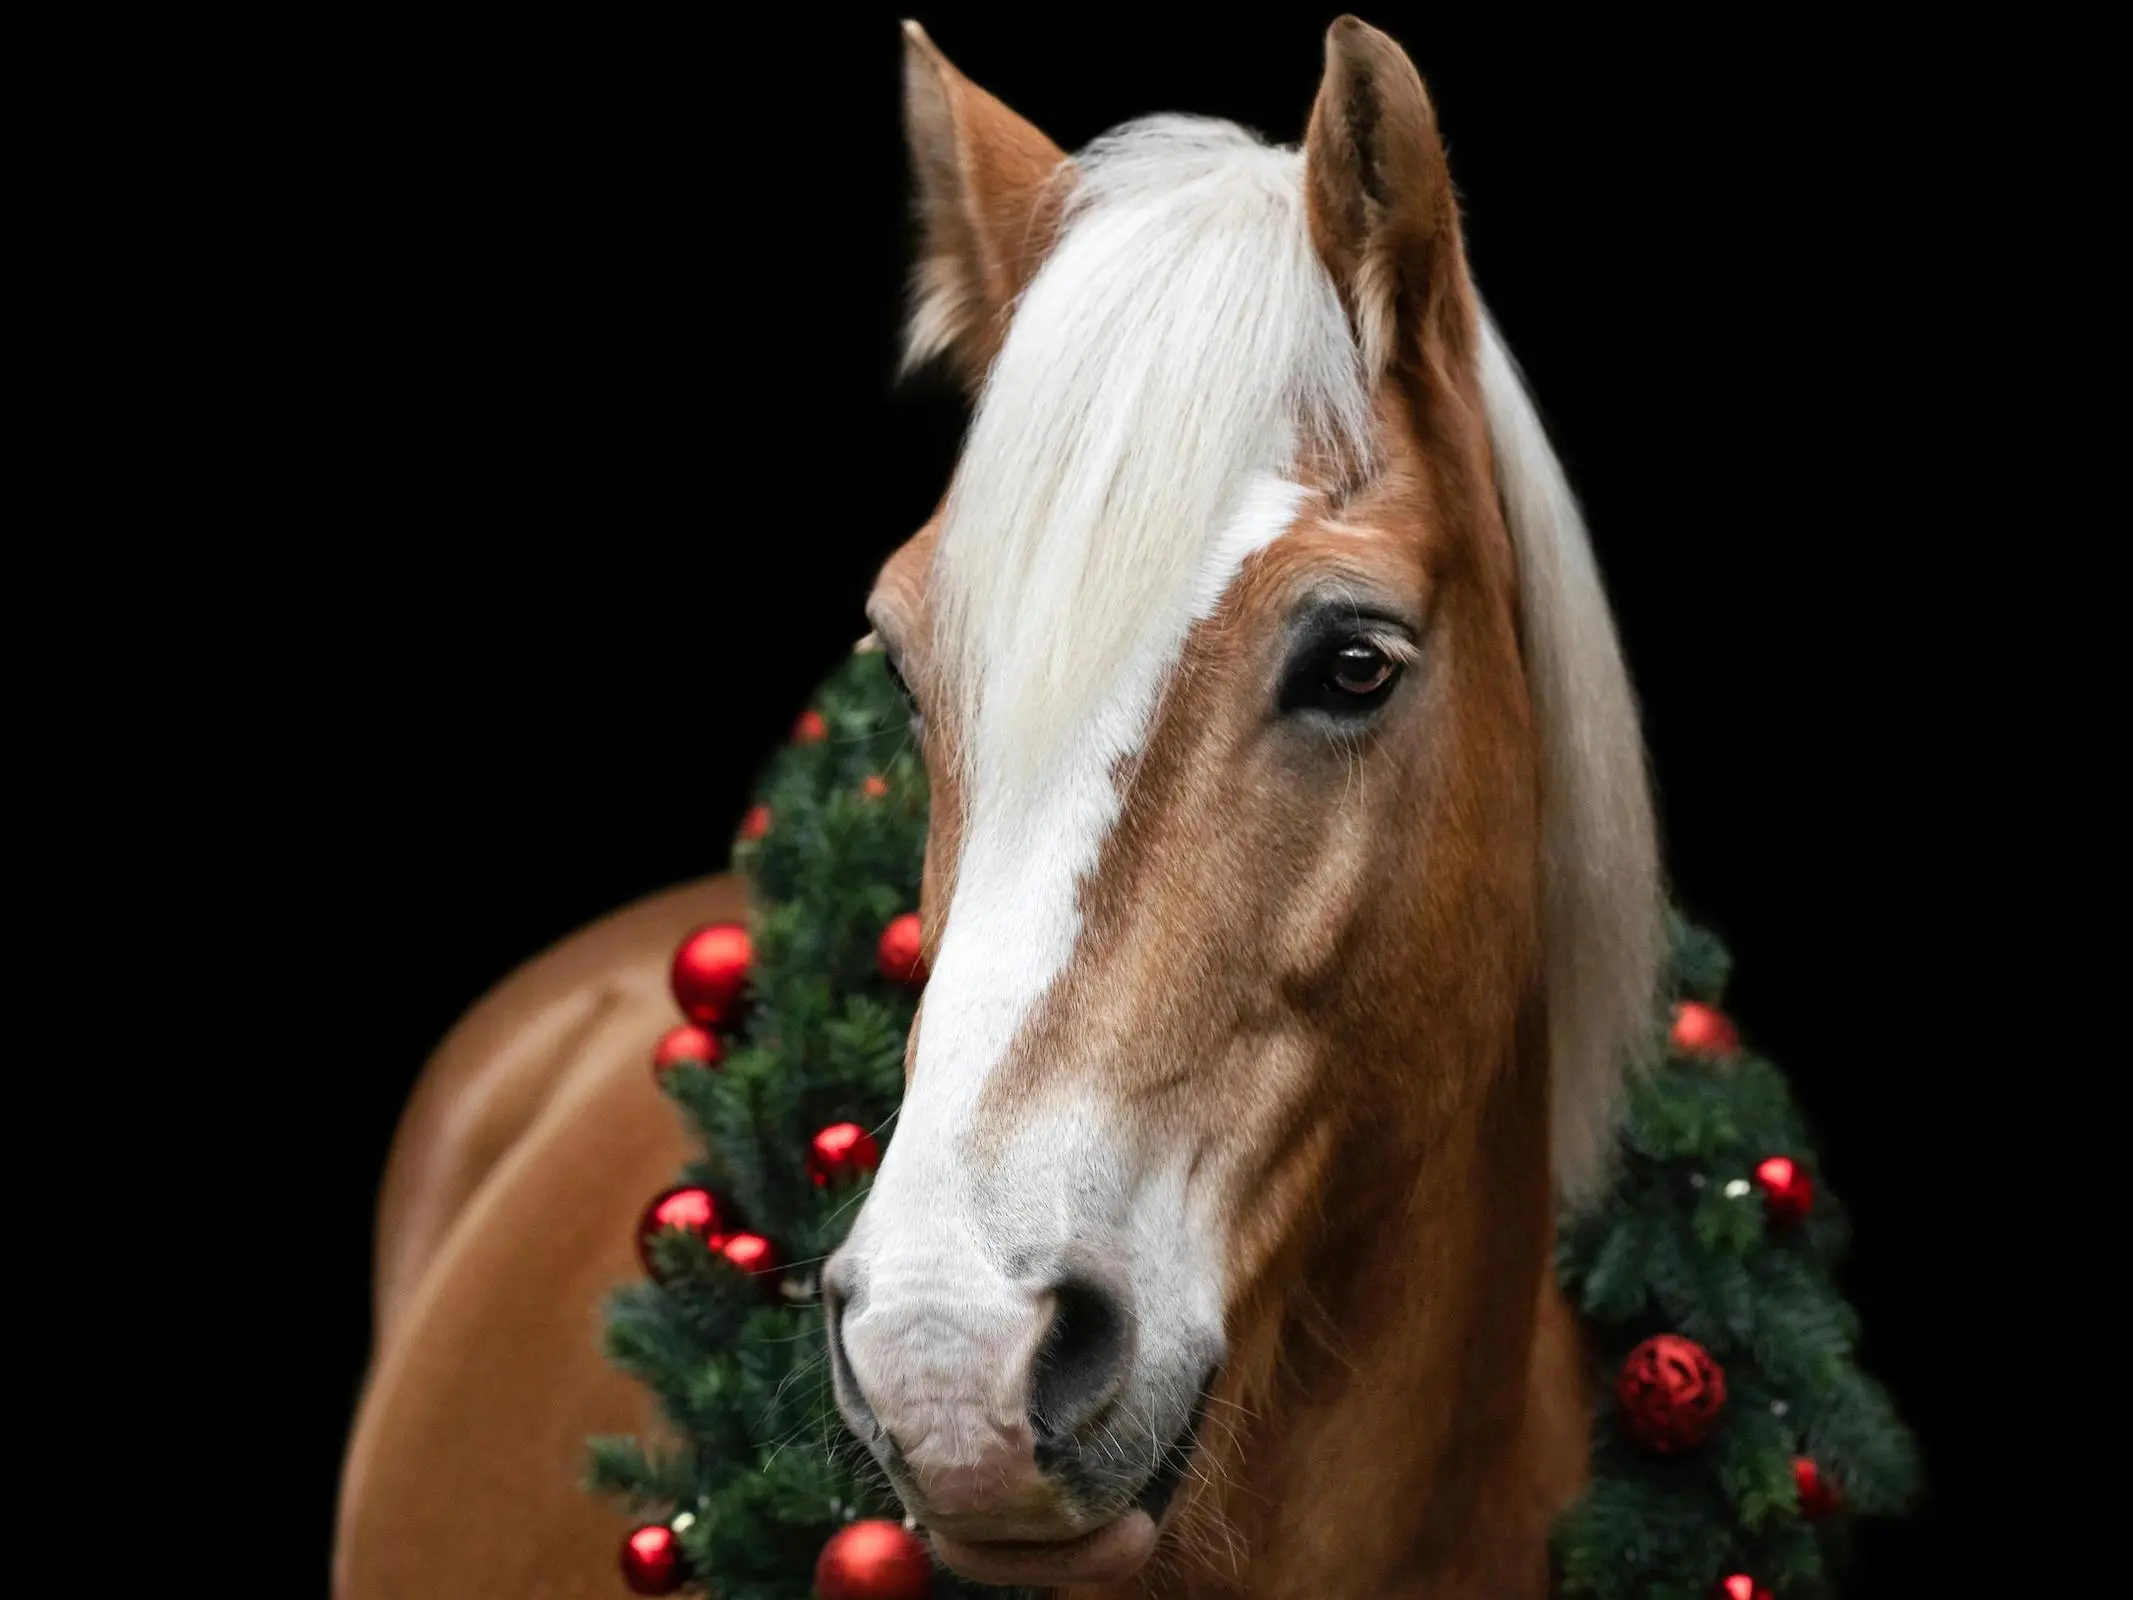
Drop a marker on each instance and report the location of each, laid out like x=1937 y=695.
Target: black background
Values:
x=575 y=350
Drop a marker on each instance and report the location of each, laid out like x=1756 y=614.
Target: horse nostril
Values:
x=833 y=1307
x=1080 y=1364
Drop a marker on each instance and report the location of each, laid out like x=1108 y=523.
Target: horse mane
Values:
x=1601 y=903
x=1180 y=351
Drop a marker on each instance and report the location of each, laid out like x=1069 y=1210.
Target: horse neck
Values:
x=1404 y=1413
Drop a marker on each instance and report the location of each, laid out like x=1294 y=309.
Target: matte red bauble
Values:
x=874 y=1560
x=756 y=823
x=810 y=729
x=1742 y=1587
x=1671 y=1393
x=710 y=974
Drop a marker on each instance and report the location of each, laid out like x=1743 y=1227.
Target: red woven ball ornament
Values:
x=756 y=823
x=874 y=1560
x=810 y=729
x=688 y=1043
x=1742 y=1587
x=1705 y=1031
x=1671 y=1393
x=1788 y=1193
x=651 y=1560
x=901 y=953
x=686 y=1207
x=841 y=1152
x=1818 y=1496
x=710 y=974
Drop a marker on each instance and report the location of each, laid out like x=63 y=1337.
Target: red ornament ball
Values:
x=875 y=787
x=710 y=975
x=1818 y=1496
x=1671 y=1393
x=841 y=1152
x=810 y=729
x=687 y=1207
x=651 y=1560
x=1701 y=1030
x=874 y=1560
x=1742 y=1587
x=901 y=953
x=753 y=1254
x=1788 y=1193
x=686 y=1043
x=756 y=823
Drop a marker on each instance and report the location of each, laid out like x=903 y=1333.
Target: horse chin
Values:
x=1109 y=1554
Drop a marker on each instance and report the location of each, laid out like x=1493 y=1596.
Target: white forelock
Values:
x=1181 y=338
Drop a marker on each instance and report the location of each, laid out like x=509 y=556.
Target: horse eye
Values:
x=1359 y=670
x=1349 y=679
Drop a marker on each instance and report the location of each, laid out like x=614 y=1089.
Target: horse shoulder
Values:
x=508 y=1210
x=504 y=1060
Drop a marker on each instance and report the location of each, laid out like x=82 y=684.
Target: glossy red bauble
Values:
x=1701 y=1030
x=1788 y=1193
x=1818 y=1496
x=841 y=1152
x=689 y=1043
x=754 y=1255
x=874 y=1560
x=710 y=973
x=901 y=953
x=692 y=1209
x=651 y=1560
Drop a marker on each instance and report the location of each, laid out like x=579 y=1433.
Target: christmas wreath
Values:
x=1729 y=1456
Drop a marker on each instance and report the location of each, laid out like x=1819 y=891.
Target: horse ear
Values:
x=990 y=192
x=1384 y=217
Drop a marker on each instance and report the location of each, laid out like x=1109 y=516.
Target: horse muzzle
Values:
x=1015 y=1425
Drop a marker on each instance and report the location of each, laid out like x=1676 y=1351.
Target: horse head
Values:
x=1290 y=895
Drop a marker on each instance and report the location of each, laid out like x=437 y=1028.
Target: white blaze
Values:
x=955 y=1262
x=1014 y=920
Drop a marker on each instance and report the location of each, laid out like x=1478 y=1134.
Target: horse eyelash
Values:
x=1394 y=646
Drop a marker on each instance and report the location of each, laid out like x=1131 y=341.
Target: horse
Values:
x=1291 y=903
